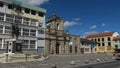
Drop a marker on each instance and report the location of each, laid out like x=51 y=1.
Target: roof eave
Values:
x=29 y=6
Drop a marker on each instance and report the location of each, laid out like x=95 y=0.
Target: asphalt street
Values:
x=114 y=64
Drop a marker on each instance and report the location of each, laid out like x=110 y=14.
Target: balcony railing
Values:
x=18 y=19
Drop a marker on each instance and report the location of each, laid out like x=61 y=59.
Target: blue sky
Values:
x=83 y=17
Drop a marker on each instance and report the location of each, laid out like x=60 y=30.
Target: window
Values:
x=116 y=46
x=9 y=18
x=8 y=30
x=40 y=38
x=95 y=39
x=109 y=43
x=58 y=26
x=1 y=29
x=25 y=44
x=32 y=44
x=33 y=22
x=95 y=49
x=27 y=10
x=91 y=39
x=20 y=31
x=98 y=44
x=1 y=17
x=87 y=49
x=33 y=12
x=115 y=41
x=1 y=4
x=41 y=14
x=103 y=44
x=18 y=19
x=18 y=8
x=10 y=6
x=102 y=39
x=26 y=32
x=109 y=39
x=98 y=39
x=0 y=43
x=5 y=45
x=40 y=31
x=40 y=24
x=32 y=32
x=26 y=21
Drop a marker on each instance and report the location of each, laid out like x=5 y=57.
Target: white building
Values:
x=31 y=22
x=88 y=46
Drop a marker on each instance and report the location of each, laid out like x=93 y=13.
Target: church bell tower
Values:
x=55 y=22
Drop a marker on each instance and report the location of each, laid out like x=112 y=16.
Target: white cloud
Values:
x=92 y=32
x=103 y=24
x=93 y=27
x=106 y=31
x=35 y=2
x=76 y=19
x=68 y=23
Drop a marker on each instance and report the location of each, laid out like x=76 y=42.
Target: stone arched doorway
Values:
x=70 y=48
x=75 y=49
x=57 y=48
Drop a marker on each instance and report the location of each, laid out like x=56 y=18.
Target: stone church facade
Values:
x=57 y=40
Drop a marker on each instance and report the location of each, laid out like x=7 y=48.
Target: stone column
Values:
x=78 y=49
x=62 y=47
x=47 y=47
x=51 y=49
x=53 y=43
x=78 y=46
x=67 y=48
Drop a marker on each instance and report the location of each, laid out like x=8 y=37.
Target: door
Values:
x=75 y=49
x=57 y=48
x=70 y=48
x=18 y=47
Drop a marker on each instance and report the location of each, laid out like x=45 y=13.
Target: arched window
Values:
x=58 y=26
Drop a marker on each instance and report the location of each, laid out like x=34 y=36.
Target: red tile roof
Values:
x=86 y=41
x=100 y=34
x=116 y=38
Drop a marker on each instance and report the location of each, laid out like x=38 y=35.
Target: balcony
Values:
x=9 y=18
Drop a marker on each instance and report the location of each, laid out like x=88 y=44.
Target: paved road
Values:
x=61 y=61
x=114 y=64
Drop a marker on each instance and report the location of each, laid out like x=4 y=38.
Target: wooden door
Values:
x=57 y=48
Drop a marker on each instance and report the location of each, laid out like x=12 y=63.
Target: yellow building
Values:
x=105 y=41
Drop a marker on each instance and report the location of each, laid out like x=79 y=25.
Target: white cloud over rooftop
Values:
x=70 y=23
x=76 y=19
x=35 y=2
x=93 y=27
